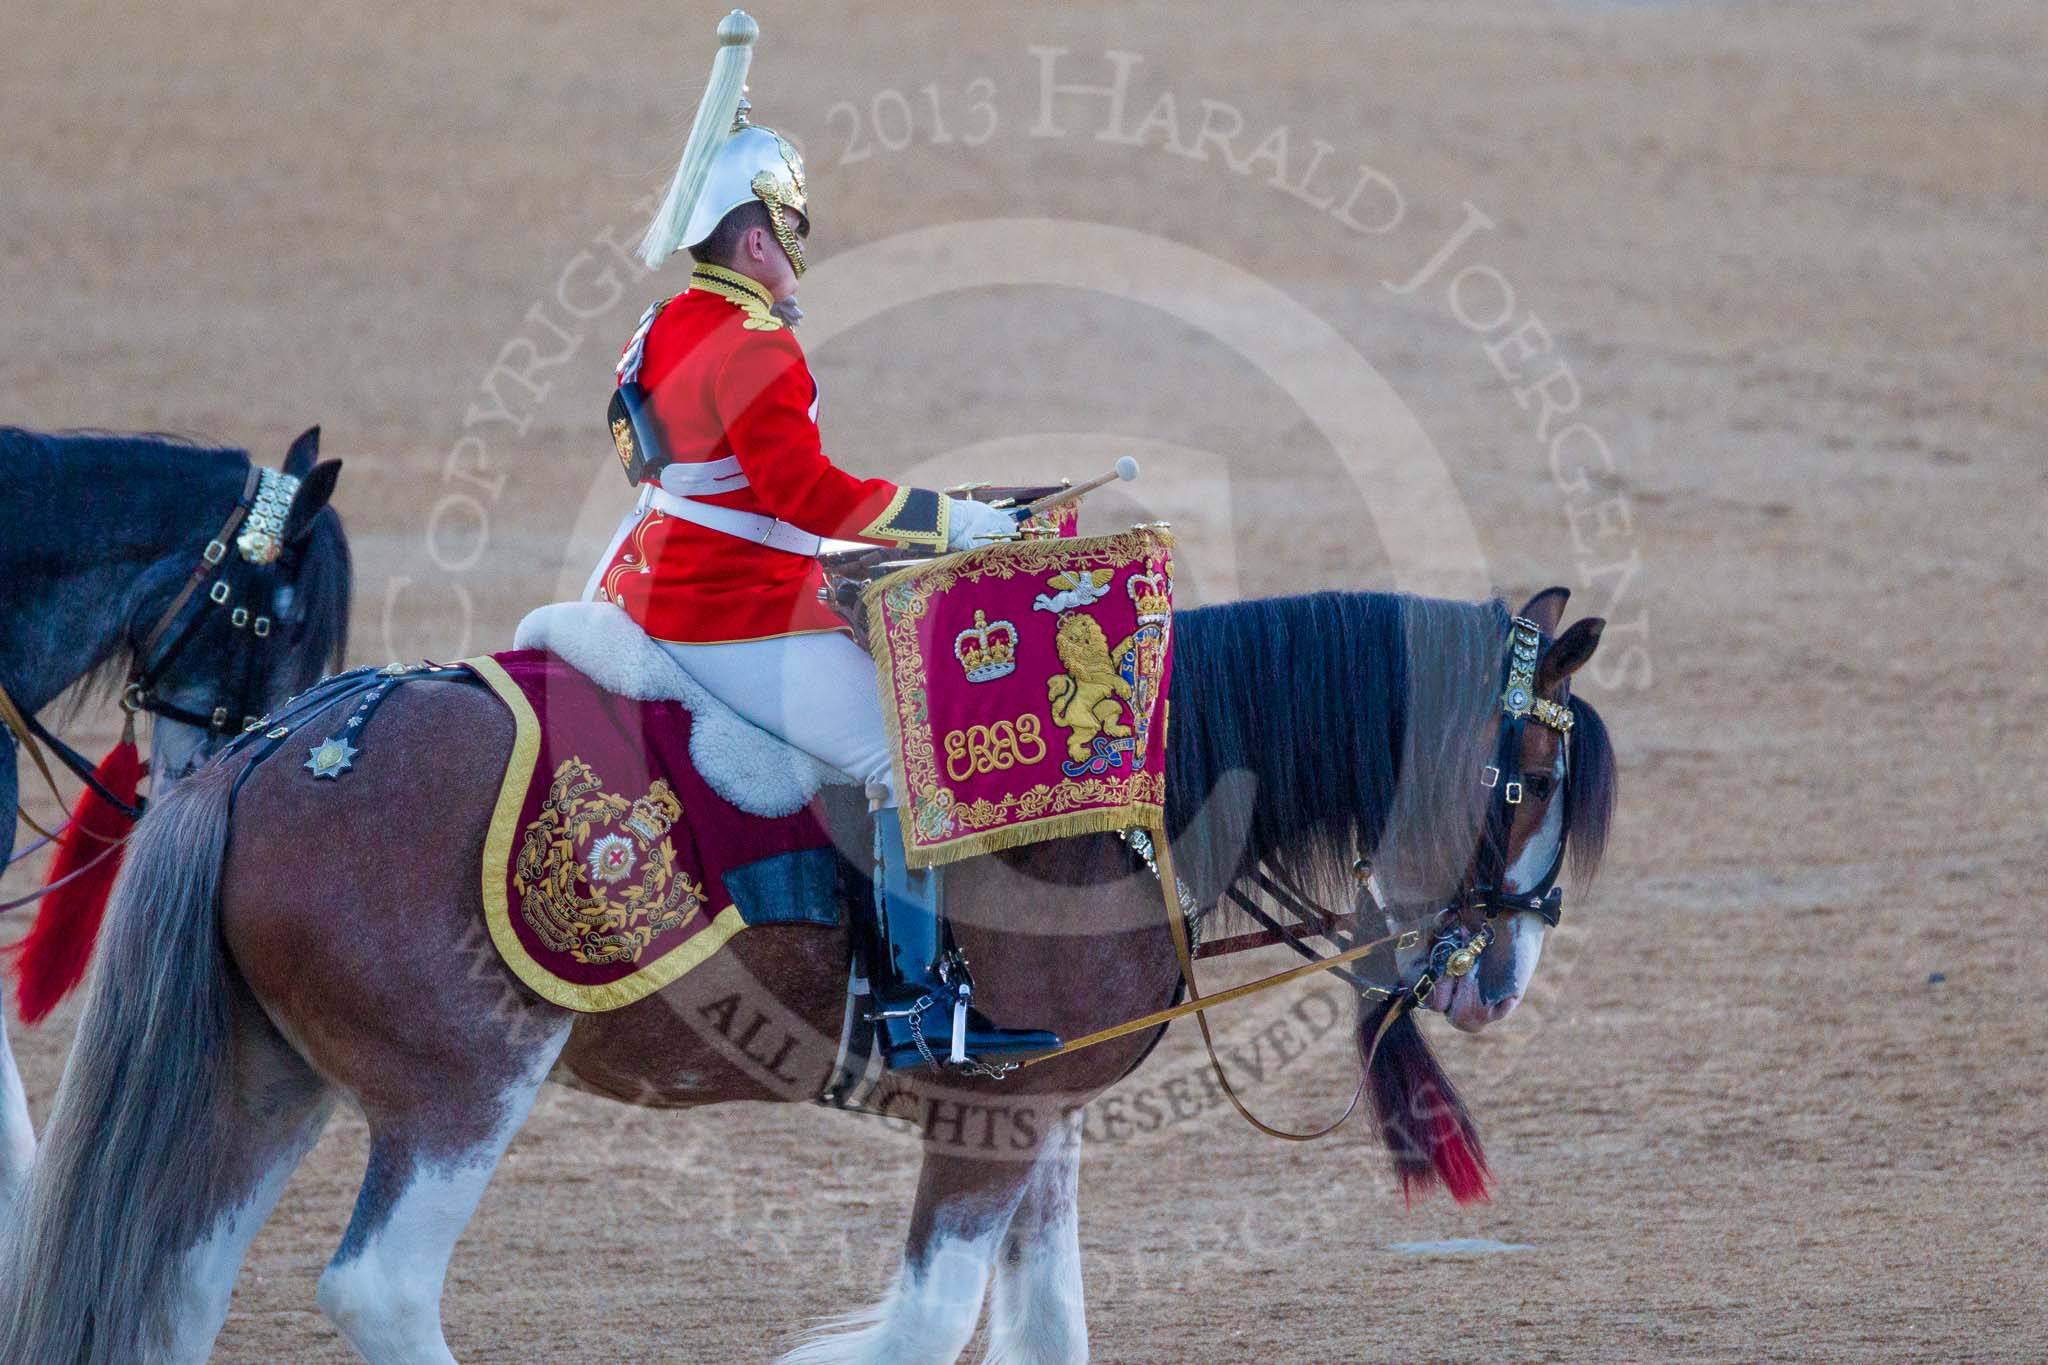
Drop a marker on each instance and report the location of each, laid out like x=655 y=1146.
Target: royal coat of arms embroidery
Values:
x=1088 y=699
x=577 y=865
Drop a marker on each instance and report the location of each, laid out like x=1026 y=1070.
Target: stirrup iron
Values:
x=923 y=991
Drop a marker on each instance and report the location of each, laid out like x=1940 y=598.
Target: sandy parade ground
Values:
x=1727 y=316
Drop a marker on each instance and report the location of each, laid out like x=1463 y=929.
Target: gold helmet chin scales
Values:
x=729 y=161
x=780 y=193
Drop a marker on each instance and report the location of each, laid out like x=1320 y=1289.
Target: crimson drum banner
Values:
x=1024 y=687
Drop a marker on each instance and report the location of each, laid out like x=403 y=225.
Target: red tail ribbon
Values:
x=51 y=961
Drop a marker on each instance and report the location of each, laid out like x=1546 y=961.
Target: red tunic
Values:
x=724 y=377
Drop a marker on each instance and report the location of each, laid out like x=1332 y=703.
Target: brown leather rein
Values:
x=1454 y=952
x=1460 y=959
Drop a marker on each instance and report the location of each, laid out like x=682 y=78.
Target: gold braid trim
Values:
x=498 y=843
x=925 y=530
x=736 y=289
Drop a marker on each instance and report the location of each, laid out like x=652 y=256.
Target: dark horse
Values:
x=99 y=534
x=255 y=970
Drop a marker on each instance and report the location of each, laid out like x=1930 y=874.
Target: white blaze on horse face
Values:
x=1538 y=853
x=175 y=749
x=1526 y=933
x=1521 y=935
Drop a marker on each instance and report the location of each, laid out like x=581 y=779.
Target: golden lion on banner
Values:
x=1085 y=698
x=986 y=661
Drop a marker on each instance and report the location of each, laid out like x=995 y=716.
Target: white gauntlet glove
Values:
x=970 y=524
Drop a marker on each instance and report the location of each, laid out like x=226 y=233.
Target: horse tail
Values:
x=1425 y=1125
x=17 y=1133
x=128 y=1177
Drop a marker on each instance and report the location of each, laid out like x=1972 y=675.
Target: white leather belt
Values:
x=704 y=478
x=776 y=535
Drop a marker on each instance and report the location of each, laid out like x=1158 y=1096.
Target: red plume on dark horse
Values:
x=607 y=859
x=226 y=590
x=200 y=587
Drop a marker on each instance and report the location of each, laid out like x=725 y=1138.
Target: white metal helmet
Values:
x=728 y=161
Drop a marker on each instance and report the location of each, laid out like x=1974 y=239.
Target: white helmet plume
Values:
x=708 y=135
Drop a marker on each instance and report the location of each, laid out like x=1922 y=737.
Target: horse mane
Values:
x=52 y=449
x=1308 y=731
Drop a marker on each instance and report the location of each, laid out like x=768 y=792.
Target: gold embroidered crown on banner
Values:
x=987 y=649
x=654 y=814
x=1148 y=591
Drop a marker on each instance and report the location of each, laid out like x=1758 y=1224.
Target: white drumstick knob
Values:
x=1126 y=468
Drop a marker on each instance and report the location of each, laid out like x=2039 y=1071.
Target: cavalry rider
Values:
x=716 y=421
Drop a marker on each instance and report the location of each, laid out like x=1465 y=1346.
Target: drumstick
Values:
x=1126 y=469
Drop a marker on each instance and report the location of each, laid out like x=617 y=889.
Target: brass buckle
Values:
x=262 y=626
x=219 y=592
x=1424 y=987
x=239 y=617
x=1513 y=794
x=220 y=717
x=215 y=551
x=1489 y=777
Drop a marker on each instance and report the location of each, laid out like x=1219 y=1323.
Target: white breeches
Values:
x=816 y=691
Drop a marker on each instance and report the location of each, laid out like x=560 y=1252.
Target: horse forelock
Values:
x=1309 y=730
x=1593 y=781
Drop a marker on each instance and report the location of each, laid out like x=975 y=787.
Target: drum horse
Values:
x=305 y=943
x=203 y=588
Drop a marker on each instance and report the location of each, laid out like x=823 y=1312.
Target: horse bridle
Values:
x=254 y=529
x=1461 y=928
x=1464 y=927
x=1485 y=891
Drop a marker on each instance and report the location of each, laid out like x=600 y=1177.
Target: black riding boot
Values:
x=921 y=987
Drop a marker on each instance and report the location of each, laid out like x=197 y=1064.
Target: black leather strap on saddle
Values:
x=368 y=686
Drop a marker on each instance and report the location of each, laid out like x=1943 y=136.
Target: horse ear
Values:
x=1570 y=653
x=1546 y=608
x=305 y=450
x=314 y=491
